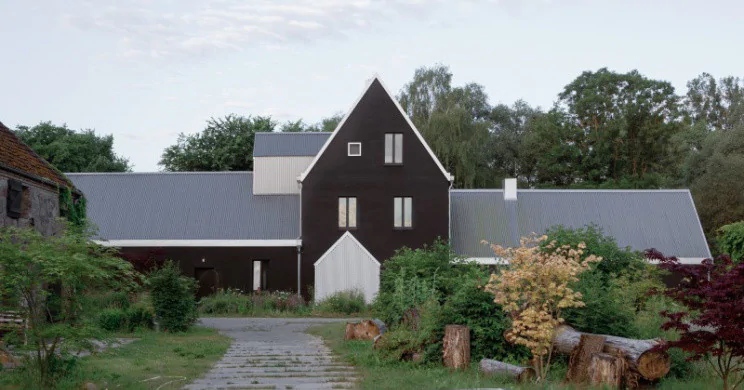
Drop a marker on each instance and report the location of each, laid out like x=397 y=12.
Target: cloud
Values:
x=156 y=29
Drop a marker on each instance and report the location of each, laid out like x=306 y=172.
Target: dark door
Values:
x=207 y=278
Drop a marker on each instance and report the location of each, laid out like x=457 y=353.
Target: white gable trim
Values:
x=447 y=175
x=345 y=236
x=200 y=243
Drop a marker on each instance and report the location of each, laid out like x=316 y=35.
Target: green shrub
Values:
x=421 y=334
x=730 y=240
x=139 y=316
x=112 y=319
x=472 y=306
x=173 y=298
x=234 y=302
x=347 y=302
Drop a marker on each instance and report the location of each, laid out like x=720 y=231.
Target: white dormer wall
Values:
x=277 y=175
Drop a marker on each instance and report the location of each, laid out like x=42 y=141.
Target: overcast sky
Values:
x=145 y=70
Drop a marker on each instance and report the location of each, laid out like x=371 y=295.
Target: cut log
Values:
x=456 y=346
x=649 y=364
x=581 y=357
x=606 y=370
x=363 y=330
x=518 y=373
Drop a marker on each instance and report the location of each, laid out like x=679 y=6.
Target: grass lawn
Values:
x=377 y=374
x=151 y=362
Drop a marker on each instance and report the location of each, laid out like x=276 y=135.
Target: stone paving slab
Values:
x=274 y=353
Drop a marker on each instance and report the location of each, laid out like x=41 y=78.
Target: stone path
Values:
x=274 y=353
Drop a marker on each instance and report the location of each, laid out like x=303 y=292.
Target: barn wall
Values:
x=278 y=175
x=40 y=205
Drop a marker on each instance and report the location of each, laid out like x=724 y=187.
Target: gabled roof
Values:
x=371 y=82
x=347 y=239
x=186 y=206
x=289 y=144
x=641 y=219
x=16 y=155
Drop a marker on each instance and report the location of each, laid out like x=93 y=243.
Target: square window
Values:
x=354 y=149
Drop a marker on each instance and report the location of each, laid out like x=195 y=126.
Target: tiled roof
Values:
x=288 y=144
x=186 y=205
x=641 y=219
x=16 y=155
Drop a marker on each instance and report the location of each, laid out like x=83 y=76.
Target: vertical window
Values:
x=258 y=275
x=393 y=148
x=347 y=212
x=403 y=212
x=354 y=149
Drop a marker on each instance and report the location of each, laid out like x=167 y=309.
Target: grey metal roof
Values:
x=174 y=206
x=642 y=219
x=288 y=144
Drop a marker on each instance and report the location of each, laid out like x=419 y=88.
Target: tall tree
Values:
x=73 y=151
x=717 y=105
x=454 y=122
x=325 y=125
x=226 y=144
x=507 y=154
x=629 y=123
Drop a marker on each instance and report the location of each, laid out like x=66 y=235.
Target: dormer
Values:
x=279 y=158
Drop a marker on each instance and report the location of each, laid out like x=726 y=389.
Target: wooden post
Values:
x=606 y=370
x=456 y=346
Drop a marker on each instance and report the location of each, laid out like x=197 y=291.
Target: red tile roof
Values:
x=16 y=155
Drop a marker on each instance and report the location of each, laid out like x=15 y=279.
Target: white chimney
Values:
x=510 y=189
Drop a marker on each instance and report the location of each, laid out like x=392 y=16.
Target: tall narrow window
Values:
x=402 y=212
x=259 y=275
x=347 y=212
x=393 y=148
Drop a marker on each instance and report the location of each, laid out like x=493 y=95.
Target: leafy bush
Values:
x=112 y=319
x=471 y=305
x=614 y=289
x=347 y=302
x=173 y=298
x=235 y=302
x=730 y=240
x=139 y=316
x=421 y=334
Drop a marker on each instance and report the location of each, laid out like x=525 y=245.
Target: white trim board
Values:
x=200 y=243
x=335 y=244
x=447 y=175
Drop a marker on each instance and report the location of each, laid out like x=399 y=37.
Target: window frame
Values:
x=403 y=213
x=347 y=201
x=348 y=149
x=396 y=139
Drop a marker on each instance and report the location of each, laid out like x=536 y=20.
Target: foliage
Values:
x=325 y=125
x=535 y=291
x=226 y=144
x=346 y=302
x=73 y=151
x=74 y=210
x=173 y=298
x=260 y=303
x=412 y=276
x=421 y=334
x=130 y=319
x=471 y=305
x=711 y=326
x=43 y=279
x=730 y=240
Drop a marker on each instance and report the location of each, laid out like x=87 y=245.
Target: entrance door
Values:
x=207 y=278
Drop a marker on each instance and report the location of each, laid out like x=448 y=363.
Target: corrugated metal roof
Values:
x=288 y=144
x=661 y=219
x=179 y=206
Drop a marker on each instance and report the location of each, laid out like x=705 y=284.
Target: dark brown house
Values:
x=29 y=186
x=325 y=210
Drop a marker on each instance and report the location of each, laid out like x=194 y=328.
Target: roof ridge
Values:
x=294 y=133
x=571 y=190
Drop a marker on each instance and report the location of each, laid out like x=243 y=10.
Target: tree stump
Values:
x=518 y=373
x=581 y=357
x=364 y=330
x=640 y=355
x=456 y=346
x=606 y=370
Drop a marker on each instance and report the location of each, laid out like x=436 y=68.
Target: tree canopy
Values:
x=73 y=151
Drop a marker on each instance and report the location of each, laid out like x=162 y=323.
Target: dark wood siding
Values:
x=234 y=265
x=374 y=184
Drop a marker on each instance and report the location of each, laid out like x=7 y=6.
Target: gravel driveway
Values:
x=274 y=353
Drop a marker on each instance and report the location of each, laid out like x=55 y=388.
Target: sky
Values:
x=147 y=70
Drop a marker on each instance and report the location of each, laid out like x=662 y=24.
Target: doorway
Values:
x=207 y=279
